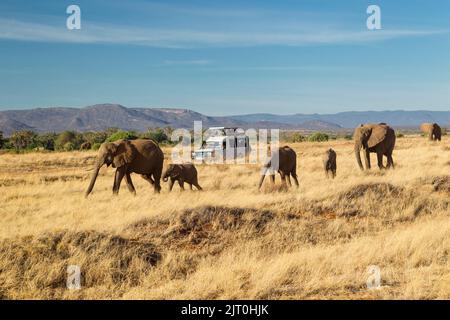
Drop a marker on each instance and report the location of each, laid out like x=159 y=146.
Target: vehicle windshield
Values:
x=213 y=144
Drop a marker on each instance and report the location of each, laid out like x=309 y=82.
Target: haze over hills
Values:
x=103 y=116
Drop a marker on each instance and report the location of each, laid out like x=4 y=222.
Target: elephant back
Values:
x=426 y=127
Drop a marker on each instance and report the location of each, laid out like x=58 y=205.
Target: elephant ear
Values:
x=378 y=134
x=124 y=155
x=176 y=170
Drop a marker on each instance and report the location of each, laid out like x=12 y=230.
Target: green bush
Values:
x=47 y=141
x=69 y=146
x=65 y=137
x=96 y=146
x=297 y=137
x=95 y=137
x=348 y=137
x=2 y=141
x=23 y=140
x=318 y=137
x=399 y=135
x=157 y=135
x=128 y=135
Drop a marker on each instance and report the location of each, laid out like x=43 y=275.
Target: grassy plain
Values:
x=230 y=241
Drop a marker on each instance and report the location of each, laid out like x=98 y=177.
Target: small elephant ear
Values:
x=124 y=155
x=176 y=170
x=378 y=134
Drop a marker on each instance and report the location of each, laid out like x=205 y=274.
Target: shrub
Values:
x=2 y=141
x=157 y=135
x=68 y=136
x=24 y=139
x=297 y=137
x=47 y=141
x=318 y=137
x=128 y=135
x=399 y=135
x=348 y=137
x=96 y=146
x=95 y=137
x=69 y=146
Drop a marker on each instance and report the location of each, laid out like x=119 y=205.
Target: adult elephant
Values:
x=374 y=138
x=433 y=130
x=136 y=156
x=285 y=162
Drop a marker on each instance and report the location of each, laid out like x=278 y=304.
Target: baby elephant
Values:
x=181 y=173
x=329 y=163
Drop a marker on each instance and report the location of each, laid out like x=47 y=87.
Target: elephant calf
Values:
x=329 y=163
x=181 y=173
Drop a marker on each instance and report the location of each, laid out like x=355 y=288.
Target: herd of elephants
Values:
x=146 y=158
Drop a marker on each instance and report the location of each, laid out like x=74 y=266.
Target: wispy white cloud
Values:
x=194 y=38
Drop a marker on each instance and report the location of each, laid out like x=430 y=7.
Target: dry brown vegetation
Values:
x=230 y=241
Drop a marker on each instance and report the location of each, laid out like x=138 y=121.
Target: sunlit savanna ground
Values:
x=230 y=241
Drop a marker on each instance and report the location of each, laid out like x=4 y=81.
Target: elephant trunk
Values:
x=358 y=155
x=93 y=178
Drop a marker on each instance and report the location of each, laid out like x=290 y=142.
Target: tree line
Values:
x=26 y=140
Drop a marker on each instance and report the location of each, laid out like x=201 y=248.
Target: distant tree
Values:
x=111 y=131
x=95 y=137
x=348 y=137
x=318 y=137
x=159 y=135
x=75 y=139
x=47 y=140
x=129 y=135
x=69 y=146
x=297 y=137
x=2 y=141
x=96 y=146
x=23 y=139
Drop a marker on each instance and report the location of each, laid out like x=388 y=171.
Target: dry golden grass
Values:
x=230 y=241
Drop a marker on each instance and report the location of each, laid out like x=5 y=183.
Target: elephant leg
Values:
x=390 y=161
x=171 y=182
x=380 y=160
x=283 y=178
x=198 y=186
x=181 y=184
x=272 y=178
x=130 y=184
x=117 y=180
x=334 y=173
x=190 y=186
x=288 y=178
x=148 y=177
x=294 y=176
x=157 y=179
x=367 y=159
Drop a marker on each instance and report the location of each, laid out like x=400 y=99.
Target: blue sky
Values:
x=226 y=57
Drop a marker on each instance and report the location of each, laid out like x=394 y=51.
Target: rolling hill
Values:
x=103 y=116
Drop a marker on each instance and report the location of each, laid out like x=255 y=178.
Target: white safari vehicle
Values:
x=223 y=144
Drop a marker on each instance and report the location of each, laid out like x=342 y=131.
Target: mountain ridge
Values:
x=102 y=116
